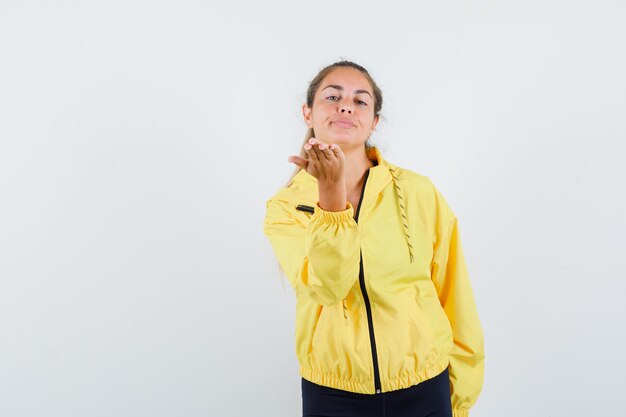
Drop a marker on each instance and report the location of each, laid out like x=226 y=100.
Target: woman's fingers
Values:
x=313 y=147
x=326 y=147
x=312 y=152
x=325 y=160
x=328 y=153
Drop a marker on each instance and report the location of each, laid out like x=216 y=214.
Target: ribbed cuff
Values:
x=460 y=412
x=334 y=216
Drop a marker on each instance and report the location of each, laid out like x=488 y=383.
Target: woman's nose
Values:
x=346 y=109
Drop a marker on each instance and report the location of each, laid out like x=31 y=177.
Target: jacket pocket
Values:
x=319 y=324
x=437 y=320
x=422 y=325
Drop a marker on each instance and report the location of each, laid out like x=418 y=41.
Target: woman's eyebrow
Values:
x=340 y=88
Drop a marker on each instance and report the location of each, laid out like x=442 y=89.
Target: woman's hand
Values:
x=326 y=162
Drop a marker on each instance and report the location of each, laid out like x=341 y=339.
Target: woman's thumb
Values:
x=301 y=162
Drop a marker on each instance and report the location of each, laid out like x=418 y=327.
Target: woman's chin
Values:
x=341 y=139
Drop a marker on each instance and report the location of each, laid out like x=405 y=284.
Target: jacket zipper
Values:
x=368 y=307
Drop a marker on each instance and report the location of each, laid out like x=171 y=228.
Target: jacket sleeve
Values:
x=320 y=256
x=450 y=276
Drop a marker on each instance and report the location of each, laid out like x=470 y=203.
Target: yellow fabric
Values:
x=422 y=305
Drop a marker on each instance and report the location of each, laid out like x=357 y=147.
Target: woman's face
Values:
x=343 y=109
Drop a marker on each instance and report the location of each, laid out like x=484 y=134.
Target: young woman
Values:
x=386 y=323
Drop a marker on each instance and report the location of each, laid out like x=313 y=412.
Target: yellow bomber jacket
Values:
x=383 y=300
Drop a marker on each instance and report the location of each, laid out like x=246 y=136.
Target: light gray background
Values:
x=139 y=141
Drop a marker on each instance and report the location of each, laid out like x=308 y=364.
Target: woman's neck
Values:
x=357 y=163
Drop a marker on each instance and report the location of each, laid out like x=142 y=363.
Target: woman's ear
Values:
x=376 y=118
x=306 y=113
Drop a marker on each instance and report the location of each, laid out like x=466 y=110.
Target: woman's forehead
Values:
x=346 y=78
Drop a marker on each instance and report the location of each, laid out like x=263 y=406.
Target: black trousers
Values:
x=430 y=398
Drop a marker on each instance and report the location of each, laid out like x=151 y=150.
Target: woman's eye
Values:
x=358 y=101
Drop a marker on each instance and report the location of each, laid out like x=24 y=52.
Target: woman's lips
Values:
x=343 y=124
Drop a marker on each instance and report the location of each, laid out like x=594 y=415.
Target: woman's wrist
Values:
x=332 y=196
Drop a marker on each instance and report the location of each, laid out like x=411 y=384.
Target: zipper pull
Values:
x=304 y=207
